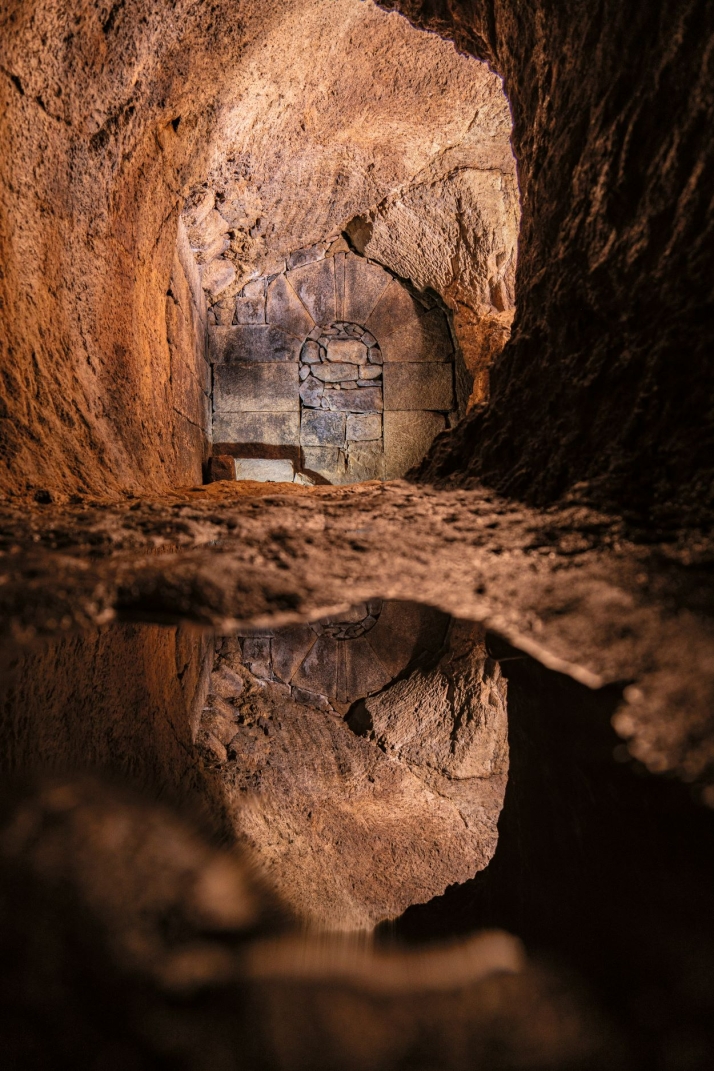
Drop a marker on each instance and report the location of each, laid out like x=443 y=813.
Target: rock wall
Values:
x=110 y=120
x=124 y=700
x=333 y=365
x=608 y=376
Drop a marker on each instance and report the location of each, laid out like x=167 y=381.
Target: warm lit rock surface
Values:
x=580 y=590
x=125 y=700
x=110 y=119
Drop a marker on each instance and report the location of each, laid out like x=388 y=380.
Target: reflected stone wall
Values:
x=332 y=369
x=363 y=757
x=337 y=660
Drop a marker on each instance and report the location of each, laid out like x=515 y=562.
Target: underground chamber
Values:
x=355 y=555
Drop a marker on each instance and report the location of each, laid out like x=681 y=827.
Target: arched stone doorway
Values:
x=331 y=371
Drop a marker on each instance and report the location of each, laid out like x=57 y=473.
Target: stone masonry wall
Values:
x=332 y=367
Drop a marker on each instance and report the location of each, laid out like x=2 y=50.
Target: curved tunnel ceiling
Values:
x=342 y=116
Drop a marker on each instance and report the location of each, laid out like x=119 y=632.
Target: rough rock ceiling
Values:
x=339 y=108
x=362 y=120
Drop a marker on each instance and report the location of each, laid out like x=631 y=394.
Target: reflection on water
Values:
x=363 y=757
x=343 y=799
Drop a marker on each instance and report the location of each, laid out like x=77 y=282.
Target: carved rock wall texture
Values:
x=608 y=376
x=111 y=117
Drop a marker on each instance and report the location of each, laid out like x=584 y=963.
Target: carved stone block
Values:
x=359 y=672
x=327 y=461
x=363 y=427
x=422 y=385
x=365 y=461
x=318 y=672
x=252 y=342
x=265 y=470
x=368 y=400
x=250 y=303
x=406 y=331
x=350 y=350
x=364 y=284
x=407 y=437
x=272 y=429
x=314 y=284
x=285 y=309
x=334 y=373
x=256 y=388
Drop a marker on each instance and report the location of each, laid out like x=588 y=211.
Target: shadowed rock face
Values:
x=608 y=377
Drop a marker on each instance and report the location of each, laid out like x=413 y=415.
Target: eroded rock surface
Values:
x=587 y=593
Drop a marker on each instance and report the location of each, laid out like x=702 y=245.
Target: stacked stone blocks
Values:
x=337 y=357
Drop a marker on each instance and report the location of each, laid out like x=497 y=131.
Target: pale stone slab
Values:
x=365 y=461
x=418 y=385
x=256 y=388
x=368 y=400
x=364 y=427
x=350 y=350
x=322 y=428
x=252 y=342
x=364 y=284
x=405 y=331
x=334 y=373
x=284 y=309
x=407 y=437
x=266 y=470
x=327 y=461
x=314 y=284
x=271 y=429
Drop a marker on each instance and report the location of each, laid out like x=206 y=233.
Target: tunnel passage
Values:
x=332 y=371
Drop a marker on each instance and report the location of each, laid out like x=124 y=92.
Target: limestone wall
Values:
x=332 y=366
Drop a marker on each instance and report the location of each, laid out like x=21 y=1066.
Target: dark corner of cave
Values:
x=356 y=553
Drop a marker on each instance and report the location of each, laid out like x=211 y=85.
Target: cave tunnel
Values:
x=356 y=450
